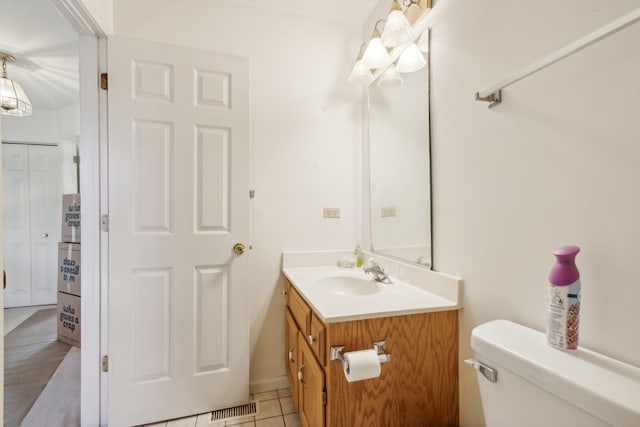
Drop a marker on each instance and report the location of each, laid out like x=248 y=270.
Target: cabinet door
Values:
x=291 y=353
x=316 y=338
x=311 y=387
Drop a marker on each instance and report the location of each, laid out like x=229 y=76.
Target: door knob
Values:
x=45 y=234
x=238 y=249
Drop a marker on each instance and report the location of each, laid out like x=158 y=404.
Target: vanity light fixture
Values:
x=398 y=30
x=411 y=60
x=13 y=100
x=390 y=77
x=423 y=42
x=416 y=9
x=376 y=55
x=399 y=47
x=360 y=75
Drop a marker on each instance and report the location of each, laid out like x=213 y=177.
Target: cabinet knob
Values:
x=291 y=354
x=300 y=374
x=284 y=293
x=311 y=339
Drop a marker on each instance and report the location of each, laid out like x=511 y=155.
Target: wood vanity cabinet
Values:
x=302 y=347
x=417 y=388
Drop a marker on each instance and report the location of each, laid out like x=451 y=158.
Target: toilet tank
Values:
x=537 y=385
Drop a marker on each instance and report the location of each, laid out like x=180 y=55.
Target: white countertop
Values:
x=399 y=298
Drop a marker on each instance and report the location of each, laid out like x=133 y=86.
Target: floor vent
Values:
x=246 y=410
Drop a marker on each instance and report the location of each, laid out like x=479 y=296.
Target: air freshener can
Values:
x=564 y=300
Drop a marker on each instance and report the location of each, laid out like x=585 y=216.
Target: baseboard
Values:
x=268 y=385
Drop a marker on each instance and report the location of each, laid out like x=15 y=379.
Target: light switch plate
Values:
x=388 y=211
x=331 y=212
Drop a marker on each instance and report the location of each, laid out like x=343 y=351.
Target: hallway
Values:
x=42 y=374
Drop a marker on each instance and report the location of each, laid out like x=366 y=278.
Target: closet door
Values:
x=31 y=223
x=45 y=195
x=16 y=227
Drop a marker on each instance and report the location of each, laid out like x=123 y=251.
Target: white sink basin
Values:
x=341 y=294
x=347 y=285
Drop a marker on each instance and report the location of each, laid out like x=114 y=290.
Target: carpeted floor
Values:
x=59 y=403
x=32 y=354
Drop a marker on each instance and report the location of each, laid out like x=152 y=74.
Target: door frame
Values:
x=94 y=196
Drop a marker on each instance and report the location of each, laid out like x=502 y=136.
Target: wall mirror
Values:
x=400 y=168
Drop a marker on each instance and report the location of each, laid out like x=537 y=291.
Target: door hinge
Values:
x=252 y=194
x=104 y=81
x=104 y=222
x=324 y=397
x=105 y=363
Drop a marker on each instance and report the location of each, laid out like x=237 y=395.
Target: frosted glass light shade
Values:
x=360 y=75
x=411 y=60
x=390 y=77
x=423 y=42
x=13 y=100
x=375 y=55
x=397 y=30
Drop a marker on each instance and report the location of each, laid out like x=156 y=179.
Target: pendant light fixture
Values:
x=398 y=29
x=13 y=100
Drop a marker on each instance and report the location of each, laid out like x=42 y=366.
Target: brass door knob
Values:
x=238 y=249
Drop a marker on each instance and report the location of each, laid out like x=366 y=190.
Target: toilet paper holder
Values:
x=379 y=346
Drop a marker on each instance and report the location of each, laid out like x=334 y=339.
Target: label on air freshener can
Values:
x=564 y=316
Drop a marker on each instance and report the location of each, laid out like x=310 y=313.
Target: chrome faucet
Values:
x=378 y=273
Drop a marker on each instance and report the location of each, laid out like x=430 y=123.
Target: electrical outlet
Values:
x=388 y=211
x=331 y=213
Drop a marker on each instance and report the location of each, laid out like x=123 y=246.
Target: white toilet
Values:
x=539 y=386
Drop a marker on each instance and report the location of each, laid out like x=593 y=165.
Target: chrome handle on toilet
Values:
x=490 y=373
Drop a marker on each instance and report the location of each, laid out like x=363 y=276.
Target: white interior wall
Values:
x=40 y=127
x=101 y=11
x=305 y=137
x=69 y=132
x=558 y=162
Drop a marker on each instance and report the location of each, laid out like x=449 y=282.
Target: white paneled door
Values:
x=32 y=196
x=178 y=203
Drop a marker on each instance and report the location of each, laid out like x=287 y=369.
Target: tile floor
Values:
x=276 y=410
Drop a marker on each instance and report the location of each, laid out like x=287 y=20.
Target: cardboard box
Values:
x=69 y=268
x=69 y=319
x=71 y=218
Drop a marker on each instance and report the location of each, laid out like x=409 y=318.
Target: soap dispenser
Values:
x=358 y=256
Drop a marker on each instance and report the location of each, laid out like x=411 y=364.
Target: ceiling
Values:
x=46 y=51
x=46 y=46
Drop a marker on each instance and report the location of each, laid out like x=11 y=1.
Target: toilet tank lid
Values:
x=604 y=387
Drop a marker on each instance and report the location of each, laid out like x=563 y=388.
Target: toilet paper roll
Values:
x=361 y=365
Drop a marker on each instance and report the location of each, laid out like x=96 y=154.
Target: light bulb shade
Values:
x=411 y=60
x=13 y=100
x=397 y=30
x=390 y=77
x=375 y=55
x=360 y=75
x=423 y=42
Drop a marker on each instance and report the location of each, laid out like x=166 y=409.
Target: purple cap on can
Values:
x=564 y=272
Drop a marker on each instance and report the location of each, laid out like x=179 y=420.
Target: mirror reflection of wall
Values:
x=400 y=169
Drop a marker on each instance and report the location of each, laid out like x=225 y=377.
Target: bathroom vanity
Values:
x=418 y=386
